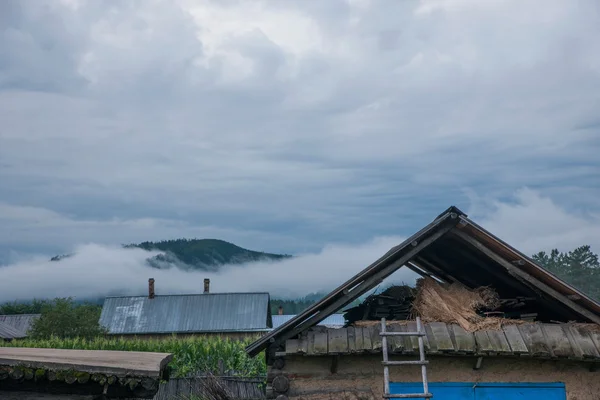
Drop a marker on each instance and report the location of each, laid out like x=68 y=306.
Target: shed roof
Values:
x=552 y=341
x=9 y=332
x=194 y=313
x=21 y=322
x=117 y=374
x=453 y=248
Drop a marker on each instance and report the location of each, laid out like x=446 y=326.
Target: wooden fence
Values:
x=183 y=388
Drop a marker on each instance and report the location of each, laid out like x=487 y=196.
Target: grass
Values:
x=193 y=355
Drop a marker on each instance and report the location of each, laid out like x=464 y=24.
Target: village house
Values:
x=51 y=374
x=16 y=326
x=540 y=341
x=231 y=315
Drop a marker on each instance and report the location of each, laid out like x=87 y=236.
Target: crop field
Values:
x=190 y=355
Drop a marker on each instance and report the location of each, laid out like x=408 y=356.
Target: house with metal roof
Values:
x=554 y=355
x=8 y=332
x=235 y=315
x=16 y=326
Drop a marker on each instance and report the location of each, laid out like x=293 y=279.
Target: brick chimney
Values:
x=280 y=311
x=206 y=285
x=151 y=288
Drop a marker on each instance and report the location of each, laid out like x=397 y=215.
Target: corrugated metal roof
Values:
x=21 y=322
x=195 y=313
x=8 y=332
x=332 y=321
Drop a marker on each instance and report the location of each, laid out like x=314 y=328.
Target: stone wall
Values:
x=360 y=377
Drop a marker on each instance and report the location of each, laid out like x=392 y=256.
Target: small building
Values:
x=16 y=326
x=51 y=374
x=233 y=315
x=549 y=352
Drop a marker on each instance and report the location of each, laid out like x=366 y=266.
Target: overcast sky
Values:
x=289 y=126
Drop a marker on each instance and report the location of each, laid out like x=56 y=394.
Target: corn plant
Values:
x=191 y=355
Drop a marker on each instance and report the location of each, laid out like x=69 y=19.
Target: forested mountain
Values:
x=205 y=254
x=202 y=254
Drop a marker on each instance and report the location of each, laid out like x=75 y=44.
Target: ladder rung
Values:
x=402 y=334
x=405 y=362
x=408 y=396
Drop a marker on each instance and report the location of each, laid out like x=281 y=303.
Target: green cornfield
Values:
x=191 y=355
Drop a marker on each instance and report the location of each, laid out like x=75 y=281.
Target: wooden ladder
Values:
x=387 y=363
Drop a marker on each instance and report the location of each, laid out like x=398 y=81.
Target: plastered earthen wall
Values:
x=360 y=377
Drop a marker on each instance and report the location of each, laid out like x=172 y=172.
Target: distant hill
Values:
x=200 y=254
x=205 y=254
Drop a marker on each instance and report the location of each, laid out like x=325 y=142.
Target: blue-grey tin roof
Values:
x=20 y=322
x=332 y=321
x=8 y=332
x=194 y=313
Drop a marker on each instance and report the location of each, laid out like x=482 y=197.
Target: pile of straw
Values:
x=457 y=304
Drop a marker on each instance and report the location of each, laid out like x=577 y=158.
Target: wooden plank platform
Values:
x=116 y=363
x=562 y=341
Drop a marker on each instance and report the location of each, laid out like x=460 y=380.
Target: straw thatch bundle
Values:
x=454 y=303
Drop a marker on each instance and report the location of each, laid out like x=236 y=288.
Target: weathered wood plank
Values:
x=395 y=343
x=303 y=344
x=557 y=340
x=351 y=339
x=499 y=342
x=320 y=343
x=429 y=341
x=465 y=341
x=337 y=341
x=292 y=346
x=375 y=338
x=534 y=340
x=93 y=361
x=411 y=343
x=584 y=341
x=484 y=345
x=441 y=336
x=367 y=344
x=310 y=337
x=515 y=341
x=359 y=340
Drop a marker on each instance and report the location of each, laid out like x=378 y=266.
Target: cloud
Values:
x=97 y=270
x=531 y=223
x=528 y=221
x=288 y=124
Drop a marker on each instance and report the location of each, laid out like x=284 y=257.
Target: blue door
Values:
x=520 y=391
x=485 y=391
x=445 y=390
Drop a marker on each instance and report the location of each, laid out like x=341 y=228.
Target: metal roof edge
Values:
x=188 y=332
x=186 y=294
x=20 y=315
